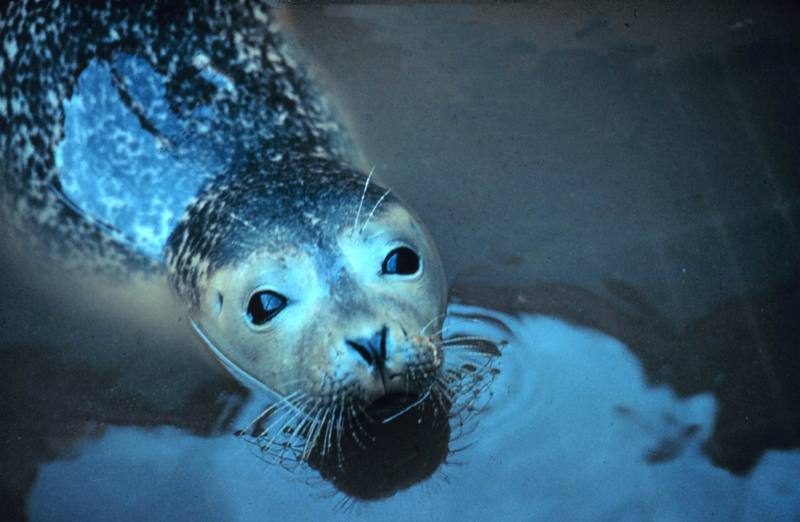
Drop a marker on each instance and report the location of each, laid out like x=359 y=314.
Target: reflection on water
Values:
x=573 y=432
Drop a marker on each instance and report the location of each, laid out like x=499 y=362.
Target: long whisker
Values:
x=298 y=433
x=363 y=195
x=326 y=444
x=372 y=212
x=288 y=413
x=312 y=426
x=312 y=433
x=339 y=430
x=279 y=431
x=319 y=433
x=429 y=323
x=283 y=402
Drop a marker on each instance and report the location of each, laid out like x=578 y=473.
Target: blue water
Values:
x=566 y=437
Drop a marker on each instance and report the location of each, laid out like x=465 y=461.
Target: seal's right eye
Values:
x=263 y=306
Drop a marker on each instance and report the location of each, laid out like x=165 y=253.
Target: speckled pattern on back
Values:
x=115 y=169
x=122 y=123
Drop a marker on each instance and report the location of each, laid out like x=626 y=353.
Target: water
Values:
x=618 y=184
x=574 y=432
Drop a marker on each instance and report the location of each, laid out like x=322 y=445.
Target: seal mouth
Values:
x=387 y=408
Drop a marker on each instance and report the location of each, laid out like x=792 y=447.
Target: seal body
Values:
x=125 y=113
x=181 y=139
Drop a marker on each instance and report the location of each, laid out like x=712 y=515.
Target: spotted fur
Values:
x=163 y=134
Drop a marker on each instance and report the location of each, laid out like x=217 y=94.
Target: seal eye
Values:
x=401 y=261
x=263 y=306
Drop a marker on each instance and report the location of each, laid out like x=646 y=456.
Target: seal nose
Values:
x=372 y=349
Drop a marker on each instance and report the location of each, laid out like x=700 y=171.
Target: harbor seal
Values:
x=182 y=140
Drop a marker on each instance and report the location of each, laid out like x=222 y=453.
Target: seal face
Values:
x=348 y=317
x=182 y=137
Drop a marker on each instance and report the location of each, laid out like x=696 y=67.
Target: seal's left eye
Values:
x=401 y=261
x=263 y=306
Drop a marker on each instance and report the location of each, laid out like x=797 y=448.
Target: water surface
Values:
x=618 y=183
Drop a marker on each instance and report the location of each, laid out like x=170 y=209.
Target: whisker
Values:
x=355 y=419
x=339 y=430
x=316 y=426
x=326 y=445
x=319 y=433
x=297 y=435
x=429 y=323
x=372 y=212
x=439 y=399
x=272 y=407
x=409 y=407
x=445 y=390
x=284 y=413
x=304 y=430
x=361 y=203
x=279 y=431
x=312 y=426
x=301 y=425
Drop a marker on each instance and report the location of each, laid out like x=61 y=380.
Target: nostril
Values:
x=371 y=348
x=362 y=351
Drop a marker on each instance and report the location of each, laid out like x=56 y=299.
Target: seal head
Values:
x=313 y=282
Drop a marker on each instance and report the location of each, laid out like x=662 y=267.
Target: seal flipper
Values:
x=129 y=163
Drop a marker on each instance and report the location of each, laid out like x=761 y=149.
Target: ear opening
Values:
x=220 y=299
